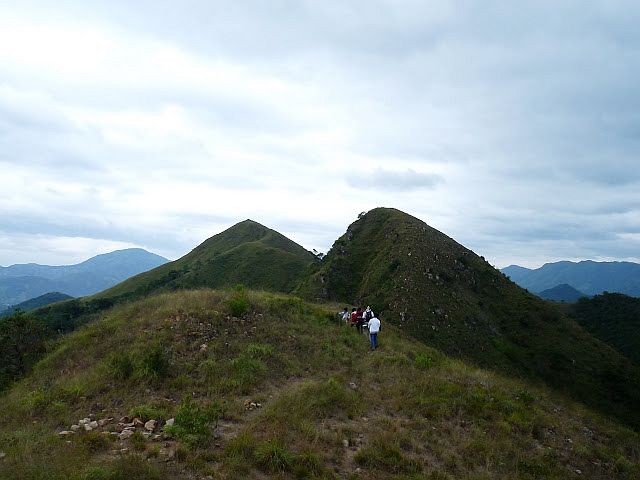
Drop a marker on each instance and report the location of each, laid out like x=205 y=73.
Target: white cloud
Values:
x=152 y=124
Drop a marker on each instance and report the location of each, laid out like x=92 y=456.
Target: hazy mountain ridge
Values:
x=562 y=293
x=21 y=282
x=589 y=277
x=37 y=302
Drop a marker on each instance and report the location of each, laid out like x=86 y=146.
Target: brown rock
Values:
x=150 y=425
x=125 y=434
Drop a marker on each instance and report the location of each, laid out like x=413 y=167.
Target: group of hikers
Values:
x=359 y=318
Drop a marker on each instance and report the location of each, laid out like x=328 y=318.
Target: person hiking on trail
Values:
x=354 y=320
x=359 y=319
x=368 y=314
x=374 y=329
x=346 y=316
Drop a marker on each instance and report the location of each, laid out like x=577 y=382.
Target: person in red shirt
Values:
x=354 y=318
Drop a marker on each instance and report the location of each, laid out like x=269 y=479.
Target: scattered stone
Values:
x=87 y=427
x=203 y=347
x=2 y=455
x=125 y=434
x=150 y=425
x=93 y=424
x=170 y=422
x=156 y=437
x=64 y=433
x=137 y=422
x=353 y=385
x=75 y=427
x=124 y=420
x=105 y=421
x=578 y=471
x=84 y=421
x=345 y=443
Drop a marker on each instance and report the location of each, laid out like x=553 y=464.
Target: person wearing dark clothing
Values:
x=359 y=320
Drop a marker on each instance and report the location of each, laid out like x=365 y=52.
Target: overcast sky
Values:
x=513 y=127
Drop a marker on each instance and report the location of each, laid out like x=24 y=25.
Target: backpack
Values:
x=368 y=315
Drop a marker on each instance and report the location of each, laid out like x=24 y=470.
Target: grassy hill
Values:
x=614 y=318
x=267 y=386
x=247 y=253
x=561 y=293
x=37 y=302
x=446 y=296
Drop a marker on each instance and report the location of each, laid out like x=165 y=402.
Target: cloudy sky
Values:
x=513 y=127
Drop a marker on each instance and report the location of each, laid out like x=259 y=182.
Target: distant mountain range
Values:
x=22 y=282
x=588 y=277
x=562 y=293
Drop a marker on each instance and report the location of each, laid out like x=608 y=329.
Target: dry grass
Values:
x=330 y=407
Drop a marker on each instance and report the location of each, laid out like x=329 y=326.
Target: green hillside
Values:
x=247 y=253
x=614 y=318
x=445 y=295
x=37 y=302
x=267 y=386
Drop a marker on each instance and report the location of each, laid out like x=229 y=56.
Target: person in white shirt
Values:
x=374 y=329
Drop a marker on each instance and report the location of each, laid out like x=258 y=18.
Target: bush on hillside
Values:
x=238 y=303
x=22 y=342
x=193 y=423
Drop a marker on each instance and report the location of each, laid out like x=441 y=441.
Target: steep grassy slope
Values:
x=281 y=391
x=613 y=318
x=448 y=297
x=247 y=253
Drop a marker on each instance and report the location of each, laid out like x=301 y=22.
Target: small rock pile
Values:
x=249 y=405
x=124 y=429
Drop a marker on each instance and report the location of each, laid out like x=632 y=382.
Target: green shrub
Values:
x=248 y=369
x=308 y=464
x=382 y=455
x=241 y=448
x=125 y=468
x=259 y=350
x=238 y=306
x=238 y=303
x=96 y=441
x=148 y=412
x=138 y=441
x=272 y=456
x=121 y=366
x=155 y=362
x=193 y=422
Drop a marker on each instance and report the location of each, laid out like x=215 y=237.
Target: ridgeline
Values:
x=448 y=297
